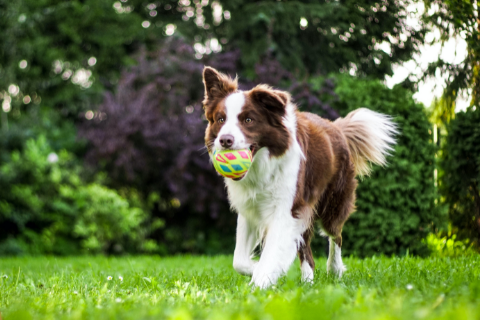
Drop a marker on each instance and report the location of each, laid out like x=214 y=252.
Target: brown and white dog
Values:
x=303 y=172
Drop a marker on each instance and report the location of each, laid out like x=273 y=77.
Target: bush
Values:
x=46 y=207
x=460 y=175
x=447 y=245
x=396 y=204
x=60 y=133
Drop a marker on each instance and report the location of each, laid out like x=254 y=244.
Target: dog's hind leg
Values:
x=337 y=210
x=307 y=264
x=334 y=263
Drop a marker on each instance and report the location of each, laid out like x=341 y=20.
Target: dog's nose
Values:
x=227 y=140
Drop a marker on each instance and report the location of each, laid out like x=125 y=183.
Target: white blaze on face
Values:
x=233 y=106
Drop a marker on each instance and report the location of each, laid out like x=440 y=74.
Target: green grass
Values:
x=208 y=287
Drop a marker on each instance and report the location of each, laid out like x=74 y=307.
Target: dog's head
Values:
x=244 y=119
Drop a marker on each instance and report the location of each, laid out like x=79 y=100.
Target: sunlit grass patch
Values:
x=208 y=287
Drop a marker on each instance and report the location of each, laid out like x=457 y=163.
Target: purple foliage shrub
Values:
x=149 y=134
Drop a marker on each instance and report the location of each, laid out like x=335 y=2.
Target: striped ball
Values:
x=232 y=163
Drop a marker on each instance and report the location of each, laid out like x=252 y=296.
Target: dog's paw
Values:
x=262 y=282
x=245 y=267
x=336 y=270
x=263 y=279
x=307 y=273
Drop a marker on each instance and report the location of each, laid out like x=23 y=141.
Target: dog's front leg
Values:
x=279 y=250
x=245 y=243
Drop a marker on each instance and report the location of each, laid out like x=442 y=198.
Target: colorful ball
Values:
x=232 y=163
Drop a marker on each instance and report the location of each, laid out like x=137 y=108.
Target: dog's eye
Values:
x=248 y=120
x=221 y=120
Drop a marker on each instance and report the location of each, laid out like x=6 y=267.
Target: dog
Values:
x=303 y=172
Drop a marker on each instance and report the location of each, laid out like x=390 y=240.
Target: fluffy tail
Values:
x=370 y=136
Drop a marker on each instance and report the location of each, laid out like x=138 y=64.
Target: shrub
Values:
x=460 y=175
x=46 y=207
x=447 y=245
x=396 y=204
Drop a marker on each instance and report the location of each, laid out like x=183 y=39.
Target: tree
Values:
x=65 y=53
x=458 y=170
x=460 y=175
x=454 y=18
x=323 y=36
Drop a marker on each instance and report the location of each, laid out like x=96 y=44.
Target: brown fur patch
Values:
x=326 y=180
x=305 y=251
x=266 y=109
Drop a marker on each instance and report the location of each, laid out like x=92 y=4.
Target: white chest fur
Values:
x=269 y=186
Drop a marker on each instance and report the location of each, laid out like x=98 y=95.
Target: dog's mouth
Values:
x=253 y=150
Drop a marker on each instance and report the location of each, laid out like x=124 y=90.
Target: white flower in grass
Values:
x=118 y=300
x=120 y=278
x=52 y=157
x=5 y=276
x=75 y=292
x=409 y=287
x=109 y=278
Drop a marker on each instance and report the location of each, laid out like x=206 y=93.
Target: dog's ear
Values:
x=285 y=96
x=274 y=101
x=217 y=85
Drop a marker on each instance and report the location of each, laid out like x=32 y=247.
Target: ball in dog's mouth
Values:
x=252 y=150
x=233 y=164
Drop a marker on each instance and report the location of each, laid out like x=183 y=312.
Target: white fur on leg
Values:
x=334 y=262
x=307 y=272
x=245 y=243
x=280 y=249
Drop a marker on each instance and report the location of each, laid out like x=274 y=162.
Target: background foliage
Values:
x=454 y=18
x=460 y=179
x=46 y=207
x=74 y=50
x=335 y=35
x=113 y=88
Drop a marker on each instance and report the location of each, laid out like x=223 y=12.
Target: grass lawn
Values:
x=208 y=287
